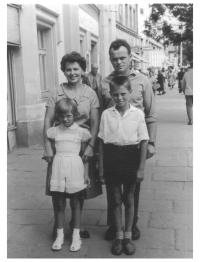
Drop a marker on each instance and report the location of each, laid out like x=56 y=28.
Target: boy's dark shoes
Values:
x=110 y=234
x=117 y=247
x=135 y=233
x=128 y=247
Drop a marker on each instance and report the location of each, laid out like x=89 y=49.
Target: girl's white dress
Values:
x=68 y=169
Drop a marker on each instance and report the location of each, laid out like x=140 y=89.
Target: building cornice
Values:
x=47 y=10
x=95 y=8
x=15 y=6
x=126 y=30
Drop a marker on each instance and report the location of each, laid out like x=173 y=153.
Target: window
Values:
x=130 y=17
x=120 y=13
x=46 y=58
x=42 y=52
x=126 y=14
x=11 y=116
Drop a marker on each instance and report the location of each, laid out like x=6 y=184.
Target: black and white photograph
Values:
x=115 y=82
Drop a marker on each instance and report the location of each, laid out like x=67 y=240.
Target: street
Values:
x=165 y=201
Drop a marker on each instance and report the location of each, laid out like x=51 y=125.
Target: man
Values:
x=95 y=79
x=143 y=98
x=187 y=87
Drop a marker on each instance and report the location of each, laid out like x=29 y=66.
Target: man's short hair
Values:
x=116 y=44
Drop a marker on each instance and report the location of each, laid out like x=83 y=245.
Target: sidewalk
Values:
x=165 y=203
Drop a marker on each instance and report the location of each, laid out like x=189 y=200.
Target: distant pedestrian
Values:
x=94 y=80
x=153 y=81
x=171 y=77
x=68 y=176
x=180 y=77
x=187 y=87
x=125 y=138
x=161 y=82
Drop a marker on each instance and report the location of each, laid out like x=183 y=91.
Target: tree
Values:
x=160 y=27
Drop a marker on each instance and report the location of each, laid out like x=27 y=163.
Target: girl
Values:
x=68 y=176
x=124 y=135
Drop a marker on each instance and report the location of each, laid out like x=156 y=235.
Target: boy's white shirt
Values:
x=128 y=129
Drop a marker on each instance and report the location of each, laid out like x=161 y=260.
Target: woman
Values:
x=73 y=66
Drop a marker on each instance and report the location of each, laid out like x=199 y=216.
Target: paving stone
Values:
x=170 y=173
x=190 y=174
x=183 y=207
x=157 y=238
x=29 y=217
x=190 y=158
x=169 y=220
x=175 y=157
x=156 y=205
x=13 y=229
x=92 y=204
x=91 y=217
x=184 y=239
x=165 y=253
x=173 y=195
x=166 y=185
x=188 y=186
x=146 y=193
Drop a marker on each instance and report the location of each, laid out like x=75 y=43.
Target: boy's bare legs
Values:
x=116 y=197
x=128 y=197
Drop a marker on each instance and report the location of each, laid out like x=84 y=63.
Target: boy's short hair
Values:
x=116 y=44
x=120 y=81
x=63 y=105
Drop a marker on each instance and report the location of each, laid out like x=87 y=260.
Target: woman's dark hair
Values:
x=63 y=106
x=116 y=44
x=120 y=81
x=71 y=58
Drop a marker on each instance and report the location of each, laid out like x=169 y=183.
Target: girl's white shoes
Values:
x=76 y=241
x=76 y=245
x=57 y=244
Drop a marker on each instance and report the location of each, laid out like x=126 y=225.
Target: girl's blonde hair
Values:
x=63 y=105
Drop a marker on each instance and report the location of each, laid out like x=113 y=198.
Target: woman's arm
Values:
x=48 y=122
x=94 y=120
